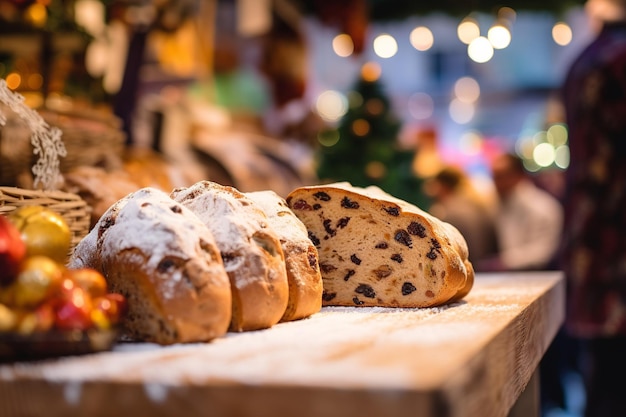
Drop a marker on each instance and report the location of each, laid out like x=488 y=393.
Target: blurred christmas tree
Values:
x=364 y=149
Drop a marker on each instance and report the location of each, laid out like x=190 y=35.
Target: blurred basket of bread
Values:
x=91 y=138
x=32 y=152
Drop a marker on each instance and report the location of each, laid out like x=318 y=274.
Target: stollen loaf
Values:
x=301 y=258
x=250 y=249
x=377 y=250
x=166 y=263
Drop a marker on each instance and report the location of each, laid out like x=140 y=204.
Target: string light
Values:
x=421 y=38
x=562 y=33
x=468 y=30
x=385 y=46
x=343 y=45
x=480 y=50
x=499 y=36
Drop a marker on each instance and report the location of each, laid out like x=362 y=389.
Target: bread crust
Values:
x=301 y=258
x=251 y=251
x=377 y=250
x=165 y=261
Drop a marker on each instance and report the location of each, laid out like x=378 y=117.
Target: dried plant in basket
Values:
x=46 y=140
x=48 y=147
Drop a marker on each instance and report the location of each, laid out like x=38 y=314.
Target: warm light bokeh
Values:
x=467 y=89
x=343 y=45
x=499 y=36
x=562 y=33
x=385 y=46
x=480 y=50
x=468 y=30
x=421 y=38
x=371 y=71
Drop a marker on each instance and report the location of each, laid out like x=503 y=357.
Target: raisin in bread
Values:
x=250 y=249
x=377 y=250
x=166 y=262
x=301 y=258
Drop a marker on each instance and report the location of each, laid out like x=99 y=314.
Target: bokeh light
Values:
x=467 y=89
x=374 y=106
x=331 y=105
x=421 y=38
x=562 y=157
x=461 y=112
x=37 y=14
x=468 y=30
x=544 y=154
x=385 y=46
x=370 y=71
x=91 y=15
x=360 y=127
x=480 y=50
x=499 y=36
x=562 y=33
x=557 y=135
x=328 y=138
x=343 y=45
x=13 y=80
x=35 y=81
x=375 y=170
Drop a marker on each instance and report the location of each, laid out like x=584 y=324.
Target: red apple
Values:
x=112 y=305
x=73 y=308
x=12 y=251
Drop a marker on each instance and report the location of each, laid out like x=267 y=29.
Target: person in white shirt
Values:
x=528 y=219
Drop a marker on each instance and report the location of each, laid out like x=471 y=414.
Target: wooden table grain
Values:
x=472 y=358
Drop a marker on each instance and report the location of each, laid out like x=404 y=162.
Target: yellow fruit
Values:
x=39 y=278
x=8 y=319
x=43 y=231
x=89 y=280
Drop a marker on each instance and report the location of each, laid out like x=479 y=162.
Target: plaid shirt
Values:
x=594 y=243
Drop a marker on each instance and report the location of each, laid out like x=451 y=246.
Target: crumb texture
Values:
x=376 y=250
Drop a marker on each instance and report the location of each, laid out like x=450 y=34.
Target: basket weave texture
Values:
x=71 y=207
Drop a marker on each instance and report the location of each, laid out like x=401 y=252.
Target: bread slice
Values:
x=166 y=262
x=301 y=258
x=250 y=249
x=377 y=250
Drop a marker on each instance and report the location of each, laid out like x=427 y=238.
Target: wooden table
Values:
x=472 y=358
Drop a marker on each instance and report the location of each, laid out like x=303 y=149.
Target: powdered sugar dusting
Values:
x=280 y=216
x=148 y=220
x=230 y=215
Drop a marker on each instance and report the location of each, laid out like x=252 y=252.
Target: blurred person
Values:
x=528 y=220
x=594 y=241
x=456 y=201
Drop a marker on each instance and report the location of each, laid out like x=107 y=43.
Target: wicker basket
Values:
x=71 y=207
x=91 y=138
